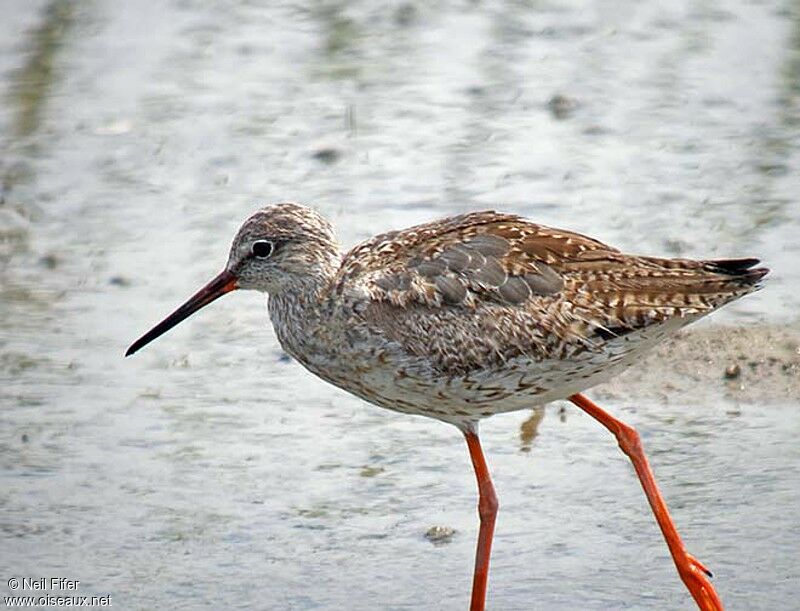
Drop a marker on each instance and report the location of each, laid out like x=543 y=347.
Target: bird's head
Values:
x=281 y=247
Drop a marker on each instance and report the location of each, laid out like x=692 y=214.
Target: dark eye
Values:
x=263 y=249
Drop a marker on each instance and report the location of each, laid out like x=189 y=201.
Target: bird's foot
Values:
x=696 y=577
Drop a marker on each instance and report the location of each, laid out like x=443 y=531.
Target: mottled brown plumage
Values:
x=493 y=312
x=470 y=315
x=473 y=315
x=485 y=252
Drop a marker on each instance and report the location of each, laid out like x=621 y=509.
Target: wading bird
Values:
x=471 y=316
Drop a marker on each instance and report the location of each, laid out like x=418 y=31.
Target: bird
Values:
x=470 y=316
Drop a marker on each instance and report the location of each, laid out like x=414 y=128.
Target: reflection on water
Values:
x=138 y=136
x=774 y=204
x=530 y=428
x=28 y=92
x=32 y=84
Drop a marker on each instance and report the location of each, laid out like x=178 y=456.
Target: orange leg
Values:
x=487 y=510
x=691 y=571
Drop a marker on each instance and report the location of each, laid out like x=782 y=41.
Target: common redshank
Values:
x=471 y=316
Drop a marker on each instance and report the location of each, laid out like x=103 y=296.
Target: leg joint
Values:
x=628 y=439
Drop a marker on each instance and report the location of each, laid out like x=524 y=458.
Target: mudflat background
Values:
x=754 y=364
x=209 y=472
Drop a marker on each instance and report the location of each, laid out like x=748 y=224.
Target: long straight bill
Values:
x=225 y=282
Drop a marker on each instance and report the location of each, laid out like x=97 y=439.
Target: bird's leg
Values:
x=691 y=571
x=487 y=509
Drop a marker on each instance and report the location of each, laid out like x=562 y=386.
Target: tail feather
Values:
x=672 y=288
x=741 y=270
x=732 y=266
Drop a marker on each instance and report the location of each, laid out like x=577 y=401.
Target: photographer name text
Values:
x=47 y=583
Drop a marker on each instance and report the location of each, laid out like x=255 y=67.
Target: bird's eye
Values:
x=263 y=249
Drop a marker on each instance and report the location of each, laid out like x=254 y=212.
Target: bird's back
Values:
x=473 y=291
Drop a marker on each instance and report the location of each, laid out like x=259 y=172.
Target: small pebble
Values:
x=440 y=534
x=49 y=261
x=732 y=372
x=367 y=471
x=562 y=106
x=327 y=155
x=118 y=281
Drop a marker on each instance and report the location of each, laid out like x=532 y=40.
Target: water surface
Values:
x=209 y=472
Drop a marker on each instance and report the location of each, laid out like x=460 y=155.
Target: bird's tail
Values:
x=741 y=274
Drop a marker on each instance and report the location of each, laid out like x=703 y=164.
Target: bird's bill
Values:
x=225 y=282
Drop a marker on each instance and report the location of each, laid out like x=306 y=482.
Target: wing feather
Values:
x=504 y=286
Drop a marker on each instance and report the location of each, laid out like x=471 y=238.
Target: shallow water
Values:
x=208 y=472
